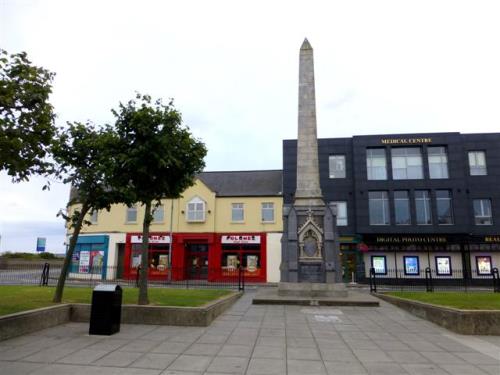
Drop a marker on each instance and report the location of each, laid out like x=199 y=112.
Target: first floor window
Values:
x=93 y=217
x=477 y=163
x=482 y=212
x=423 y=207
x=378 y=203
x=402 y=207
x=341 y=213
x=444 y=207
x=158 y=214
x=337 y=166
x=131 y=214
x=237 y=213
x=268 y=212
x=196 y=210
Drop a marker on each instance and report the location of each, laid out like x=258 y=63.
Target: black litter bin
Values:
x=106 y=310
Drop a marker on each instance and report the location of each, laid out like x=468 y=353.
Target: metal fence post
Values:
x=428 y=280
x=44 y=279
x=496 y=283
x=373 y=282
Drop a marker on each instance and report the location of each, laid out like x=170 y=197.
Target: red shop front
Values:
x=158 y=255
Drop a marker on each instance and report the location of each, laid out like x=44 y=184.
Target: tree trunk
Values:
x=69 y=254
x=143 y=276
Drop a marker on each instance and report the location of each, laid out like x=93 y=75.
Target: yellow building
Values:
x=224 y=220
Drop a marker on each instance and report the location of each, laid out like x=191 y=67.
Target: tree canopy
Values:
x=26 y=116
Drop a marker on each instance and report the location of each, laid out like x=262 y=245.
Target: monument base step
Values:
x=312 y=290
x=270 y=296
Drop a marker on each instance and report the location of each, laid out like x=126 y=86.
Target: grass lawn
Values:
x=458 y=300
x=20 y=298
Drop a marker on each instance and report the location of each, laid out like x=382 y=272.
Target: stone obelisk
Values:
x=310 y=258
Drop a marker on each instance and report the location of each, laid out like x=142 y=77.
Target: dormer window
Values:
x=195 y=210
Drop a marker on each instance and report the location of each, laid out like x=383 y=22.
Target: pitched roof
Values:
x=244 y=183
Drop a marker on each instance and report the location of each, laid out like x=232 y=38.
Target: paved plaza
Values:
x=256 y=339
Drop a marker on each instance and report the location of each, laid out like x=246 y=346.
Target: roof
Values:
x=244 y=183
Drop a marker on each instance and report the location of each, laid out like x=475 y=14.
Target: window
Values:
x=477 y=163
x=341 y=213
x=423 y=207
x=158 y=214
x=268 y=212
x=131 y=214
x=337 y=166
x=444 y=207
x=378 y=207
x=482 y=212
x=237 y=212
x=438 y=162
x=376 y=165
x=93 y=217
x=196 y=210
x=402 y=207
x=407 y=163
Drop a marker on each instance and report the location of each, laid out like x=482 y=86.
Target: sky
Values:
x=232 y=68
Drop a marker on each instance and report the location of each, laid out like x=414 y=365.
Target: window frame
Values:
x=385 y=208
x=338 y=217
x=263 y=209
x=442 y=155
x=331 y=172
x=370 y=167
x=450 y=200
x=154 y=212
x=233 y=210
x=407 y=206
x=427 y=206
x=405 y=157
x=94 y=217
x=481 y=200
x=194 y=219
x=130 y=209
x=475 y=153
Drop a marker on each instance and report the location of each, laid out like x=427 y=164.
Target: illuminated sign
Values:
x=405 y=141
x=495 y=239
x=241 y=239
x=410 y=239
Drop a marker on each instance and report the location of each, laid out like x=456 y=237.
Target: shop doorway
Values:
x=197 y=261
x=352 y=262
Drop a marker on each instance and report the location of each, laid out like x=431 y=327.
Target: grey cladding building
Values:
x=410 y=201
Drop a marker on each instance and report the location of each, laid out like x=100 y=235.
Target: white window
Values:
x=378 y=207
x=482 y=212
x=337 y=166
x=196 y=210
x=438 y=162
x=131 y=214
x=376 y=165
x=268 y=212
x=93 y=217
x=158 y=214
x=341 y=213
x=237 y=212
x=407 y=163
x=477 y=163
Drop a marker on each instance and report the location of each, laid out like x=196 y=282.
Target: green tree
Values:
x=84 y=157
x=158 y=158
x=26 y=116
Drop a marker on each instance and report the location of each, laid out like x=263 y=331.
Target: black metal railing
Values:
x=430 y=280
x=45 y=274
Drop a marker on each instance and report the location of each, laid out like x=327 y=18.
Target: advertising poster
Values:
x=232 y=262
x=162 y=262
x=252 y=261
x=443 y=266
x=411 y=265
x=483 y=265
x=96 y=260
x=378 y=263
x=136 y=260
x=84 y=264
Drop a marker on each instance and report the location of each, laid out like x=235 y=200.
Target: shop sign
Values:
x=405 y=141
x=243 y=239
x=492 y=239
x=411 y=239
x=152 y=238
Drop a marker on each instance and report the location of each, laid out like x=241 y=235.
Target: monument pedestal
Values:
x=312 y=290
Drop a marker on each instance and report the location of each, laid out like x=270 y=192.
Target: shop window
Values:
x=157 y=258
x=378 y=203
x=444 y=207
x=88 y=258
x=158 y=214
x=267 y=212
x=477 y=163
x=247 y=256
x=438 y=162
x=402 y=207
x=423 y=207
x=407 y=163
x=483 y=265
x=237 y=212
x=482 y=212
x=131 y=214
x=196 y=210
x=376 y=165
x=93 y=217
x=341 y=213
x=443 y=266
x=336 y=165
x=411 y=264
x=379 y=264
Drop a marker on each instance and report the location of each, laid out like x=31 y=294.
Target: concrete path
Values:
x=250 y=339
